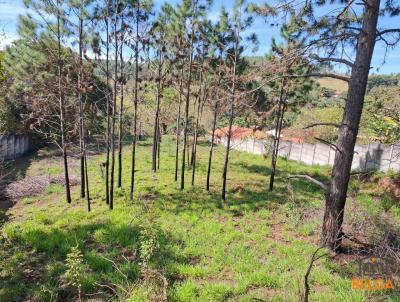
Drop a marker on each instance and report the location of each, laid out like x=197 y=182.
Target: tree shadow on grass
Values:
x=15 y=170
x=197 y=199
x=252 y=168
x=111 y=252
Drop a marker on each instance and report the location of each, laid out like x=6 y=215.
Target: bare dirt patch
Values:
x=262 y=292
x=32 y=185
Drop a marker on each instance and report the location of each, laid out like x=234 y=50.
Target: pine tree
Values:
x=239 y=22
x=57 y=31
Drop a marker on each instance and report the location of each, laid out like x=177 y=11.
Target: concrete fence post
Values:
x=366 y=157
x=313 y=156
x=301 y=152
x=290 y=150
x=329 y=155
x=391 y=155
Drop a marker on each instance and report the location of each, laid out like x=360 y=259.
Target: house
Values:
x=237 y=133
x=295 y=136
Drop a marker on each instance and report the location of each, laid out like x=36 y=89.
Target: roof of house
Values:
x=296 y=136
x=238 y=132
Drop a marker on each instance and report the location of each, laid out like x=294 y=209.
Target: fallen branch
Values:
x=311 y=179
x=355 y=240
x=322 y=124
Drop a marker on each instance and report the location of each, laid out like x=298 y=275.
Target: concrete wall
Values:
x=372 y=156
x=14 y=146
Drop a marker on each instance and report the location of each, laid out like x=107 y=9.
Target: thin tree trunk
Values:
x=158 y=146
x=228 y=145
x=336 y=195
x=185 y=130
x=278 y=127
x=194 y=131
x=135 y=103
x=187 y=153
x=178 y=122
x=156 y=119
x=211 y=147
x=62 y=113
x=81 y=129
x=87 y=182
x=121 y=111
x=114 y=107
x=194 y=152
x=108 y=109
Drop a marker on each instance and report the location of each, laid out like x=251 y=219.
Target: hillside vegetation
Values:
x=187 y=245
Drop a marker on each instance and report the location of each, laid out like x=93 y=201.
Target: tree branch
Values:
x=322 y=124
x=322 y=75
x=328 y=143
x=390 y=30
x=337 y=60
x=311 y=179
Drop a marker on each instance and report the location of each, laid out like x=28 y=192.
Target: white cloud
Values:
x=6 y=40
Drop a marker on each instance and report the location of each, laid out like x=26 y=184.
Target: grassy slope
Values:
x=256 y=246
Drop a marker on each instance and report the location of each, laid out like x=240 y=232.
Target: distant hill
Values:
x=338 y=86
x=373 y=81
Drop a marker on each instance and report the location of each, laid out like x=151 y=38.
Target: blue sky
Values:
x=10 y=9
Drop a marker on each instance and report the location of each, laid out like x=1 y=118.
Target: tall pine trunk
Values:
x=158 y=145
x=135 y=104
x=277 y=137
x=211 y=148
x=62 y=112
x=81 y=129
x=121 y=111
x=194 y=132
x=178 y=123
x=114 y=108
x=108 y=97
x=195 y=137
x=157 y=114
x=87 y=182
x=228 y=147
x=187 y=103
x=233 y=99
x=336 y=194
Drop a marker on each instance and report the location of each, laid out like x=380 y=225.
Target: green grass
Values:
x=257 y=245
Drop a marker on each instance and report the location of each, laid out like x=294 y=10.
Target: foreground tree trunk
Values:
x=336 y=195
x=278 y=128
x=121 y=111
x=87 y=182
x=135 y=104
x=114 y=108
x=62 y=112
x=157 y=114
x=195 y=138
x=233 y=99
x=228 y=148
x=187 y=103
x=108 y=96
x=211 y=148
x=178 y=122
x=81 y=129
